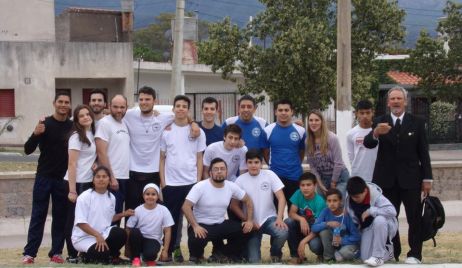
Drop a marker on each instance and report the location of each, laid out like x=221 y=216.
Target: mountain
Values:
x=420 y=13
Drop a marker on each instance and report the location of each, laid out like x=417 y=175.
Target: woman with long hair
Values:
x=82 y=156
x=324 y=154
x=93 y=233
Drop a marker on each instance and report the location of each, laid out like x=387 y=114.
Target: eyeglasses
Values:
x=216 y=169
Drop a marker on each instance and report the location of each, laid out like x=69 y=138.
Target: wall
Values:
x=26 y=20
x=16 y=187
x=31 y=68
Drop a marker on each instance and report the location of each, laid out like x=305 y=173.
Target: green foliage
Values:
x=151 y=42
x=440 y=69
x=300 y=62
x=440 y=114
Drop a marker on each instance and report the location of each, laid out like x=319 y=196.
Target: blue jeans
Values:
x=341 y=182
x=295 y=236
x=278 y=238
x=43 y=188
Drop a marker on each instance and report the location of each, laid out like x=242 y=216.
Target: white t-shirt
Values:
x=261 y=189
x=87 y=156
x=234 y=158
x=145 y=134
x=118 y=140
x=181 y=155
x=151 y=222
x=362 y=159
x=97 y=210
x=210 y=202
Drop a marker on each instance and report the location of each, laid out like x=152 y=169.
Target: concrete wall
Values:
x=31 y=69
x=27 y=20
x=16 y=187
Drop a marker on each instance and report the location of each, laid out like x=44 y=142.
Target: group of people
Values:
x=151 y=169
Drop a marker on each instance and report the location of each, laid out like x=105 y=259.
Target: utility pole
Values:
x=177 y=82
x=344 y=116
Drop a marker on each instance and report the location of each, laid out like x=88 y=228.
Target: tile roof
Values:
x=403 y=78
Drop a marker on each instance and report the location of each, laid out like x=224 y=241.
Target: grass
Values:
x=17 y=166
x=447 y=251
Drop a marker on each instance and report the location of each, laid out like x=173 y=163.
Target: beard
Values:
x=219 y=179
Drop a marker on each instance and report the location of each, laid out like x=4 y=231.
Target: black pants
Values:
x=44 y=187
x=290 y=186
x=413 y=208
x=135 y=187
x=174 y=197
x=120 y=195
x=80 y=187
x=139 y=244
x=115 y=241
x=230 y=230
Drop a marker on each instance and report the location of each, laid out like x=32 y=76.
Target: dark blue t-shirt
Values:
x=212 y=135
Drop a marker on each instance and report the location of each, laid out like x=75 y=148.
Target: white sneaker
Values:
x=374 y=262
x=412 y=260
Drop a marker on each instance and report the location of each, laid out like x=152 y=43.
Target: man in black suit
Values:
x=402 y=168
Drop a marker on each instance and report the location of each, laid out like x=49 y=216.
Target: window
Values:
x=7 y=103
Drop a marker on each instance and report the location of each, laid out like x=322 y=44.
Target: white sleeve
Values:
x=243 y=164
x=207 y=156
x=133 y=220
x=201 y=145
x=195 y=193
x=238 y=193
x=350 y=146
x=167 y=219
x=75 y=143
x=163 y=142
x=276 y=183
x=82 y=209
x=102 y=131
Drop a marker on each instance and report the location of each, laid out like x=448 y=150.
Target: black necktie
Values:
x=397 y=125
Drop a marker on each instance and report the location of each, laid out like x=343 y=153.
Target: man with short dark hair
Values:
x=210 y=199
x=180 y=161
x=50 y=135
x=213 y=132
x=97 y=103
x=285 y=147
x=228 y=149
x=362 y=159
x=252 y=127
x=402 y=169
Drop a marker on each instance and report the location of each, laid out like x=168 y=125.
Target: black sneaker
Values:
x=73 y=260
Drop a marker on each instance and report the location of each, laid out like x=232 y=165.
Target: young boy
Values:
x=305 y=208
x=376 y=217
x=362 y=159
x=339 y=235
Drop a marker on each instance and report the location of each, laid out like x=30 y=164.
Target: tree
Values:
x=440 y=67
x=153 y=41
x=300 y=61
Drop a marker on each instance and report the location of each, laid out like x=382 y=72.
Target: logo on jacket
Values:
x=294 y=136
x=256 y=132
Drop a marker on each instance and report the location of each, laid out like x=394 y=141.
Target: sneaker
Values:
x=119 y=261
x=177 y=255
x=412 y=260
x=26 y=259
x=57 y=259
x=166 y=262
x=374 y=262
x=136 y=262
x=276 y=260
x=151 y=263
x=217 y=258
x=194 y=260
x=73 y=260
x=338 y=256
x=295 y=260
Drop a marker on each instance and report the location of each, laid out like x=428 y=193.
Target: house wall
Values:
x=31 y=69
x=26 y=20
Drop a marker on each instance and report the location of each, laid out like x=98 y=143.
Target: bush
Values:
x=440 y=114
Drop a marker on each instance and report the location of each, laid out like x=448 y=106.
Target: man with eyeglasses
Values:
x=210 y=199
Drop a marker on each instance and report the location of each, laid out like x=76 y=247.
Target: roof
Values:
x=403 y=78
x=90 y=10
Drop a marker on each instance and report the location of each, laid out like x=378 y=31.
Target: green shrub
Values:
x=440 y=114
